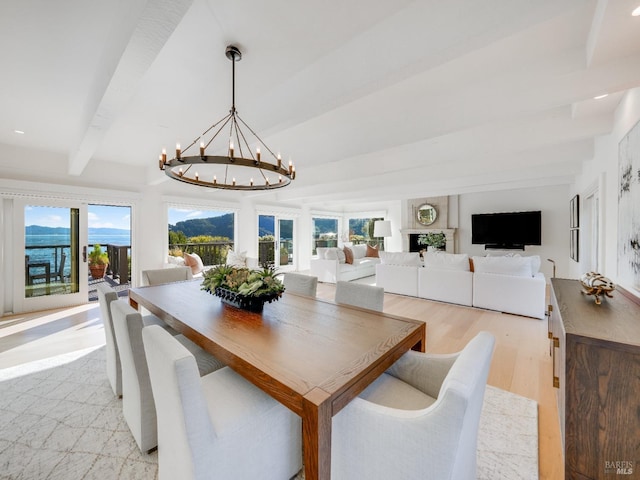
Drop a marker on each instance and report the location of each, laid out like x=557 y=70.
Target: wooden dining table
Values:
x=312 y=356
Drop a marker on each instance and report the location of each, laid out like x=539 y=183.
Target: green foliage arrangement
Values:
x=432 y=239
x=250 y=283
x=97 y=256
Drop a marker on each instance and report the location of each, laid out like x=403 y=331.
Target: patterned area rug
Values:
x=59 y=419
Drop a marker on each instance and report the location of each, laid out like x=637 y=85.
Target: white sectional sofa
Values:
x=398 y=273
x=446 y=278
x=510 y=284
x=331 y=264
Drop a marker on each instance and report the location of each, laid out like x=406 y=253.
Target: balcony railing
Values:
x=119 y=264
x=211 y=253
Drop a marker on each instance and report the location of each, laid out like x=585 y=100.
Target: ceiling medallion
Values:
x=242 y=168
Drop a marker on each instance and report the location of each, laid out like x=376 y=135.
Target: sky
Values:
x=180 y=214
x=105 y=216
x=99 y=216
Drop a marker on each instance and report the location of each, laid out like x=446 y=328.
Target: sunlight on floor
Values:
x=31 y=337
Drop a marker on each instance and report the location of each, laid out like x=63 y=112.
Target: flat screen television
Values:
x=511 y=230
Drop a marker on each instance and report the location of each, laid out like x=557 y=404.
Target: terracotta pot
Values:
x=97 y=271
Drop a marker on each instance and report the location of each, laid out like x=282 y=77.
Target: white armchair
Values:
x=219 y=426
x=418 y=420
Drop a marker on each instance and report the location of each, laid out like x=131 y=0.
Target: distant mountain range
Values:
x=40 y=230
x=221 y=226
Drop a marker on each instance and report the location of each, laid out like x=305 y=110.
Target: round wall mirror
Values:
x=427 y=214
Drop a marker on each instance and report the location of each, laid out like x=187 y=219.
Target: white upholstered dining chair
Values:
x=106 y=295
x=219 y=426
x=138 y=405
x=417 y=420
x=300 y=284
x=360 y=295
x=159 y=276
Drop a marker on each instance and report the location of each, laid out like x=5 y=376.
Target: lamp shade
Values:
x=382 y=228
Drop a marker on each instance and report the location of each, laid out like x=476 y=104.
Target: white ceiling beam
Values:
x=155 y=24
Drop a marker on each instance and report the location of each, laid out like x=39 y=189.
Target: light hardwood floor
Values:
x=521 y=362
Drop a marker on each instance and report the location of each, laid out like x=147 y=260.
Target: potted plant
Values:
x=284 y=256
x=243 y=288
x=98 y=262
x=433 y=240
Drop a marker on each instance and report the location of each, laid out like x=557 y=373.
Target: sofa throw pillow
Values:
x=400 y=258
x=359 y=251
x=322 y=252
x=446 y=261
x=342 y=258
x=237 y=259
x=348 y=255
x=173 y=260
x=194 y=261
x=516 y=266
x=535 y=264
x=372 y=252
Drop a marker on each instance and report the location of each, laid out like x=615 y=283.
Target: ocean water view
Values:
x=48 y=247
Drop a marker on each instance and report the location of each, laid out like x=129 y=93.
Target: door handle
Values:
x=556 y=380
x=84 y=254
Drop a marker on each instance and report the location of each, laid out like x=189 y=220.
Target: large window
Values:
x=361 y=231
x=209 y=233
x=325 y=233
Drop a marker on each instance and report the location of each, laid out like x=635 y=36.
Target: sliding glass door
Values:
x=50 y=239
x=276 y=242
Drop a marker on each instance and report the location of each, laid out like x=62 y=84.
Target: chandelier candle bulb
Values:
x=234 y=182
x=164 y=155
x=231 y=149
x=202 y=149
x=215 y=180
x=279 y=161
x=258 y=153
x=178 y=151
x=180 y=171
x=197 y=176
x=252 y=182
x=290 y=167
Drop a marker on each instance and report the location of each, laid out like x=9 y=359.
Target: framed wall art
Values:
x=574 y=244
x=574 y=212
x=629 y=208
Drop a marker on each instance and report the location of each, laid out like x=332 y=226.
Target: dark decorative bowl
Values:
x=245 y=302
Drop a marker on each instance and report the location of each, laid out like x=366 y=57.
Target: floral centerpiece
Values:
x=432 y=239
x=243 y=288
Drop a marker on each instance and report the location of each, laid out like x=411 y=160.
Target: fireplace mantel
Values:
x=449 y=234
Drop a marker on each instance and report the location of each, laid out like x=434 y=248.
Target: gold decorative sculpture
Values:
x=597 y=285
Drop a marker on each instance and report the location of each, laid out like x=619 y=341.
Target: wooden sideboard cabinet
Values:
x=596 y=368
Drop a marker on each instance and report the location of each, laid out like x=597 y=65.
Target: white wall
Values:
x=603 y=170
x=552 y=201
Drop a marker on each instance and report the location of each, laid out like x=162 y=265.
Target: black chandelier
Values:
x=234 y=170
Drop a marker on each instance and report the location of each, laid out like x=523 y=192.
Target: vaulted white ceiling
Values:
x=372 y=99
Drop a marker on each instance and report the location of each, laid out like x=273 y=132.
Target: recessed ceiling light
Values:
x=19 y=132
x=600 y=96
x=636 y=12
